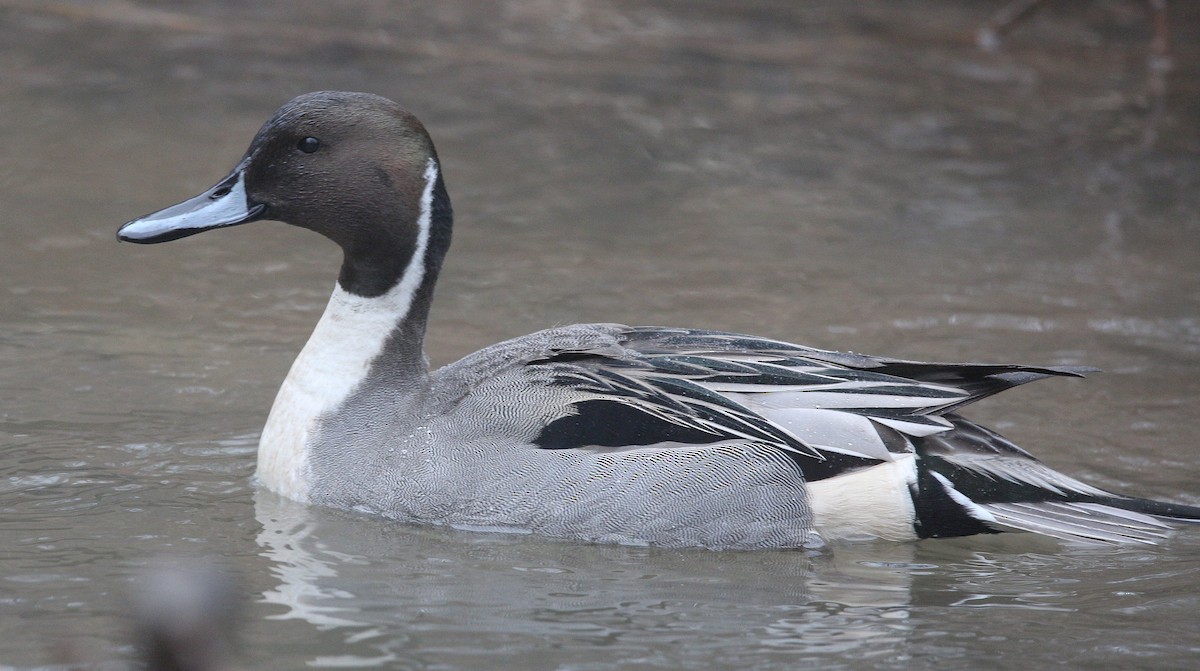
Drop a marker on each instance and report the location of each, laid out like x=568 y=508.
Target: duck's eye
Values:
x=308 y=145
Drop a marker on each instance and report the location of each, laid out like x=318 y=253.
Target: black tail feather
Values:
x=1174 y=511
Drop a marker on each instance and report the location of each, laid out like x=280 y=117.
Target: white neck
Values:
x=350 y=335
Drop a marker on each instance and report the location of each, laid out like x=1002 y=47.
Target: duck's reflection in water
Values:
x=391 y=587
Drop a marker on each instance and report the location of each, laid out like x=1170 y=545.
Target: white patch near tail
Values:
x=335 y=360
x=867 y=504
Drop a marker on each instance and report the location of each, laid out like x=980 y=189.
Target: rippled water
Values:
x=858 y=178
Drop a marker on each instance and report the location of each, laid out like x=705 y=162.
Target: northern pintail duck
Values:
x=602 y=432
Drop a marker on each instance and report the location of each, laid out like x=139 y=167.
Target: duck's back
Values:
x=577 y=432
x=473 y=452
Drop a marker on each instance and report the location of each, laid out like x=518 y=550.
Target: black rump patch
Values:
x=939 y=515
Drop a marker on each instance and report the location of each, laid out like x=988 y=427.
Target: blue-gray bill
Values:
x=223 y=205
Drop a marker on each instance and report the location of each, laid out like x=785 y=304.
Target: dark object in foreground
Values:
x=185 y=614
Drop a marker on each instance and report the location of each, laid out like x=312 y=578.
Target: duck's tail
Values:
x=1165 y=509
x=972 y=480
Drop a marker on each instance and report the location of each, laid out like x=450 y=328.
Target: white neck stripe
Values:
x=404 y=291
